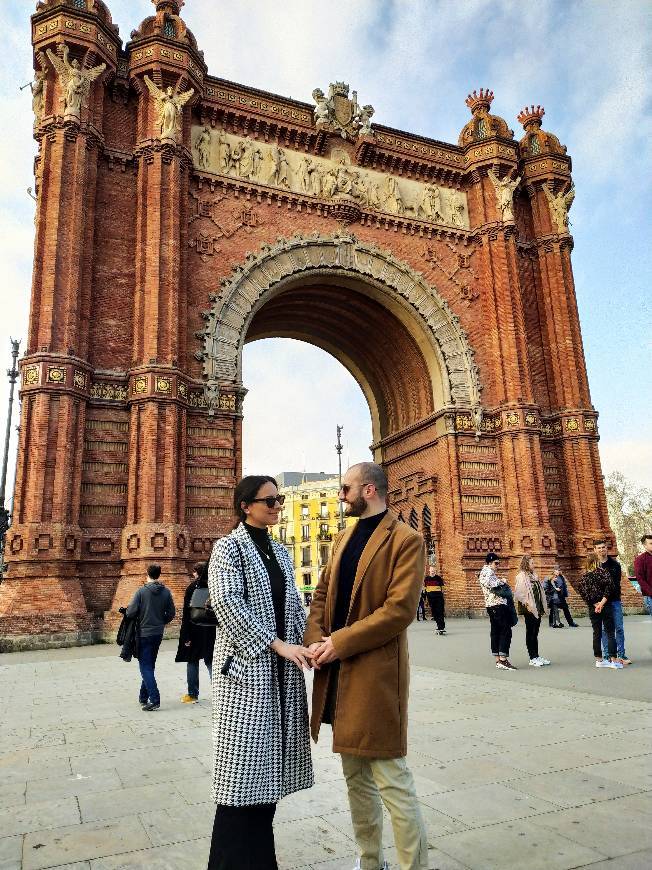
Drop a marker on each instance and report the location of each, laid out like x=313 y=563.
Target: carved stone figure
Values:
x=75 y=82
x=339 y=114
x=284 y=170
x=36 y=88
x=456 y=207
x=316 y=173
x=250 y=158
x=303 y=175
x=203 y=148
x=358 y=188
x=236 y=155
x=363 y=117
x=169 y=106
x=373 y=195
x=559 y=206
x=322 y=109
x=504 y=188
x=329 y=183
x=392 y=199
x=430 y=205
x=270 y=166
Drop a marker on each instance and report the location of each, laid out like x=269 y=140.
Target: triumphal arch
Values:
x=181 y=215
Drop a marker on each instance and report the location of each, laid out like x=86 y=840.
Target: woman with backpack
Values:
x=196 y=636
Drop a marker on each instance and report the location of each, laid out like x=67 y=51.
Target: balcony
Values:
x=325 y=536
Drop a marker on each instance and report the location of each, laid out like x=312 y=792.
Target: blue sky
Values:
x=588 y=63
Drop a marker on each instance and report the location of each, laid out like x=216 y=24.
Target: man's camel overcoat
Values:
x=372 y=693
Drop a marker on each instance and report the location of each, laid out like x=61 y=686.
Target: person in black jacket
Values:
x=196 y=642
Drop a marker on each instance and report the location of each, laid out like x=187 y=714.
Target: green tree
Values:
x=630 y=515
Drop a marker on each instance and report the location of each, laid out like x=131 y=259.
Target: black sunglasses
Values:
x=270 y=500
x=347 y=486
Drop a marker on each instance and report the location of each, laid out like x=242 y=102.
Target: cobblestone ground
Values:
x=510 y=774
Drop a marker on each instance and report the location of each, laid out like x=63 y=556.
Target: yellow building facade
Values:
x=308 y=523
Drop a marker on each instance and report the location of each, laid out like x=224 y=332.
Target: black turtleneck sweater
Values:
x=262 y=542
x=349 y=565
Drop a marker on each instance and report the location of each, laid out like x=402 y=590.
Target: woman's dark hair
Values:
x=246 y=491
x=201 y=570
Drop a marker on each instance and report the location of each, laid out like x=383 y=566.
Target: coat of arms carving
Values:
x=339 y=113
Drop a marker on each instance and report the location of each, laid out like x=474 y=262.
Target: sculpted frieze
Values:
x=332 y=178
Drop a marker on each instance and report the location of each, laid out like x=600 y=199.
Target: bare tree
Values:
x=630 y=514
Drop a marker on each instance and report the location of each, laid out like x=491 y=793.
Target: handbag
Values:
x=201 y=612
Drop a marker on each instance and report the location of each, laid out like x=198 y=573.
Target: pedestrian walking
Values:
x=562 y=586
x=643 y=571
x=530 y=598
x=552 y=589
x=261 y=740
x=434 y=585
x=617 y=573
x=196 y=641
x=357 y=633
x=153 y=606
x=496 y=600
x=596 y=588
x=421 y=607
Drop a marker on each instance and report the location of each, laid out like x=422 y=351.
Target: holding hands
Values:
x=316 y=655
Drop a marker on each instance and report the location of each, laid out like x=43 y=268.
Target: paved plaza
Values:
x=542 y=769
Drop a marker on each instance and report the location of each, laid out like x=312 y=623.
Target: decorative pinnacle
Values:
x=531 y=116
x=172 y=7
x=482 y=100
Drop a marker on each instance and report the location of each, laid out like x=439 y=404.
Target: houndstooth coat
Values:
x=257 y=759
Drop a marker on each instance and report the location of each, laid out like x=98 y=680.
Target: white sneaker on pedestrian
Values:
x=536 y=663
x=384 y=867
x=601 y=663
x=615 y=665
x=544 y=661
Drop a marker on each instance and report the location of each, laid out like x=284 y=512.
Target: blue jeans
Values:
x=647 y=601
x=192 y=673
x=147 y=662
x=617 y=608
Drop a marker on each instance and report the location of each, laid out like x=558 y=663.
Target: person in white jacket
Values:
x=499 y=612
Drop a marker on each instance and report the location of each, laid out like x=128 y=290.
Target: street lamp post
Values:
x=338 y=448
x=12 y=374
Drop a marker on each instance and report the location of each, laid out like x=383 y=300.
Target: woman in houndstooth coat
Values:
x=260 y=713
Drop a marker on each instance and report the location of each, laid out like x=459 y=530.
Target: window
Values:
x=169 y=29
x=282 y=534
x=323 y=554
x=305 y=532
x=305 y=557
x=323 y=529
x=323 y=509
x=305 y=511
x=322 y=495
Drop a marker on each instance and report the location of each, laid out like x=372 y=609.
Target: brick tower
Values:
x=180 y=216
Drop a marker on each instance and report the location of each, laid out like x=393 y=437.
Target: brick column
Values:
x=42 y=595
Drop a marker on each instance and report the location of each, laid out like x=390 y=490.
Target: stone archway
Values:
x=415 y=313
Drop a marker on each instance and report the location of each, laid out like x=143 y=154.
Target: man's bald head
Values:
x=369 y=472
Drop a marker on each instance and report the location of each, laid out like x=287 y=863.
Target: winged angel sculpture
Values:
x=75 y=81
x=559 y=206
x=169 y=106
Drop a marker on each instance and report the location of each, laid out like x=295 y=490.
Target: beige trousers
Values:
x=370 y=780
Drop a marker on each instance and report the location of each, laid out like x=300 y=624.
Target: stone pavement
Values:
x=512 y=771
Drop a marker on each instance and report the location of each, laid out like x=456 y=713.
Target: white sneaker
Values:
x=384 y=867
x=536 y=663
x=614 y=665
x=601 y=663
x=544 y=661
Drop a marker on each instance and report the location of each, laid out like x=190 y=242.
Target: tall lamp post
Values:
x=12 y=374
x=338 y=448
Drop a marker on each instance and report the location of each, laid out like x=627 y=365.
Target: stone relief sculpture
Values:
x=504 y=188
x=559 y=206
x=169 y=106
x=336 y=113
x=326 y=178
x=203 y=148
x=75 y=82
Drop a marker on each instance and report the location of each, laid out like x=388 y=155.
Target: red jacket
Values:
x=643 y=570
